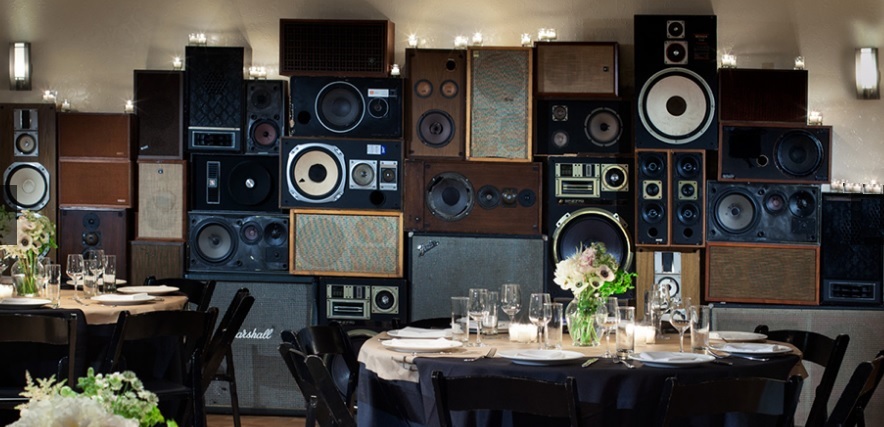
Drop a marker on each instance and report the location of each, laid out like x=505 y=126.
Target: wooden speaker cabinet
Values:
x=159 y=104
x=763 y=95
x=82 y=229
x=96 y=183
x=97 y=135
x=565 y=69
x=682 y=274
x=435 y=114
x=162 y=200
x=158 y=259
x=768 y=274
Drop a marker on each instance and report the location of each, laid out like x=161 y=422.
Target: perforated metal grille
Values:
x=342 y=48
x=214 y=79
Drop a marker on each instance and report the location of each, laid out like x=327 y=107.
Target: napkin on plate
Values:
x=668 y=357
x=130 y=297
x=411 y=331
x=752 y=348
x=541 y=354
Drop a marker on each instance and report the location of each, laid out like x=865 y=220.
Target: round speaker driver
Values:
x=265 y=134
x=450 y=196
x=215 y=242
x=676 y=106
x=603 y=127
x=799 y=153
x=275 y=233
x=435 y=128
x=340 y=107
x=316 y=173
x=26 y=143
x=586 y=226
x=26 y=186
x=802 y=204
x=735 y=212
x=250 y=183
x=362 y=174
x=489 y=196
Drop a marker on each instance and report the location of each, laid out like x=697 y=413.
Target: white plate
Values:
x=421 y=345
x=100 y=281
x=541 y=357
x=22 y=302
x=116 y=299
x=416 y=333
x=736 y=336
x=152 y=290
x=752 y=348
x=671 y=359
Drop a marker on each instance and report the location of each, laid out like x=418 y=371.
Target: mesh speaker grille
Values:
x=767 y=274
x=214 y=81
x=500 y=103
x=852 y=237
x=161 y=202
x=332 y=47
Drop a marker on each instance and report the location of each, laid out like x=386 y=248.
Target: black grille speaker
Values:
x=568 y=126
x=214 y=79
x=235 y=182
x=346 y=107
x=852 y=249
x=237 y=242
x=785 y=152
x=265 y=115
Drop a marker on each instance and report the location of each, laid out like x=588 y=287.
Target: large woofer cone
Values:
x=215 y=242
x=798 y=153
x=676 y=106
x=603 y=127
x=435 y=128
x=586 y=226
x=250 y=183
x=735 y=212
x=340 y=107
x=315 y=173
x=450 y=196
x=26 y=186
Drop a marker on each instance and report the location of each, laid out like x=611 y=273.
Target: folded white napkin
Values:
x=410 y=331
x=659 y=356
x=130 y=297
x=541 y=354
x=752 y=348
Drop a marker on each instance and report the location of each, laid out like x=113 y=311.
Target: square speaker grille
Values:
x=343 y=48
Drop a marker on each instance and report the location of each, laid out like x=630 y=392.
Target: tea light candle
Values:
x=50 y=96
x=547 y=34
x=478 y=39
x=728 y=60
x=799 y=62
x=874 y=187
x=129 y=107
x=395 y=71
x=815 y=118
x=66 y=106
x=177 y=64
x=645 y=334
x=523 y=332
x=5 y=291
x=526 y=39
x=413 y=41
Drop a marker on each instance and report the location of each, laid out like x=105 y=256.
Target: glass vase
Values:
x=582 y=325
x=27 y=275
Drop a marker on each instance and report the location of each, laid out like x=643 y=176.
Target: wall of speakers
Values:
x=762 y=273
x=473 y=197
x=265 y=115
x=852 y=249
x=671 y=196
x=241 y=242
x=368 y=243
x=162 y=200
x=362 y=302
x=577 y=68
x=233 y=182
x=82 y=229
x=775 y=152
x=566 y=126
x=675 y=76
x=214 y=81
x=764 y=95
x=159 y=104
x=341 y=174
x=763 y=213
x=436 y=99
x=499 y=102
x=347 y=107
x=330 y=47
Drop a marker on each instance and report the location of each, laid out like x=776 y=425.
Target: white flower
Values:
x=76 y=411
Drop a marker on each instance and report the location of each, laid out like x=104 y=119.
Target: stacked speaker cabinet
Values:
x=775 y=152
x=83 y=229
x=329 y=47
x=473 y=197
x=238 y=241
x=155 y=258
x=162 y=200
x=214 y=79
x=499 y=104
x=675 y=77
x=762 y=273
x=353 y=107
x=763 y=95
x=568 y=69
x=370 y=303
x=852 y=249
x=265 y=119
x=436 y=103
x=234 y=182
x=679 y=270
x=576 y=126
x=671 y=206
x=159 y=104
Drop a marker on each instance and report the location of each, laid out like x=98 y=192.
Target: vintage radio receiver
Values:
x=348 y=301
x=590 y=179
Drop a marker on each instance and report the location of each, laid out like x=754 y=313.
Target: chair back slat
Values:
x=850 y=408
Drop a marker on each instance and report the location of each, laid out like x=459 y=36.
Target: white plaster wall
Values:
x=87 y=49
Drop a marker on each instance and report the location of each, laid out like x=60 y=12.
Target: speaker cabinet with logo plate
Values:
x=473 y=197
x=162 y=200
x=214 y=98
x=265 y=115
x=362 y=302
x=234 y=182
x=347 y=107
x=763 y=213
x=97 y=135
x=762 y=273
x=675 y=76
x=444 y=265
x=154 y=258
x=775 y=152
x=96 y=183
x=368 y=243
x=567 y=126
x=81 y=229
x=241 y=242
x=332 y=47
x=341 y=174
x=671 y=190
x=499 y=102
x=576 y=69
x=764 y=95
x=436 y=100
x=679 y=270
x=852 y=249
x=159 y=104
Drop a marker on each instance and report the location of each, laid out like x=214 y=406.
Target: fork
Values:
x=482 y=356
x=625 y=363
x=719 y=355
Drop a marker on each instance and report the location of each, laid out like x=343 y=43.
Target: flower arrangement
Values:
x=117 y=399
x=35 y=235
x=592 y=274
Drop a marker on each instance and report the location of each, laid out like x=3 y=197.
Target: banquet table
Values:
x=395 y=388
x=98 y=313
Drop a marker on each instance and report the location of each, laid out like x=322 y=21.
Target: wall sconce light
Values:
x=867 y=77
x=20 y=66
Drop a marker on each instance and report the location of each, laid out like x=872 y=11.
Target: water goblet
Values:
x=607 y=316
x=97 y=268
x=76 y=268
x=510 y=299
x=478 y=310
x=680 y=318
x=539 y=312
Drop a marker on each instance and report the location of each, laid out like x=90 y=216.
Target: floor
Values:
x=216 y=420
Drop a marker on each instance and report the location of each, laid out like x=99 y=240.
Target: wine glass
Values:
x=607 y=316
x=511 y=299
x=98 y=266
x=539 y=312
x=478 y=309
x=660 y=301
x=680 y=318
x=76 y=268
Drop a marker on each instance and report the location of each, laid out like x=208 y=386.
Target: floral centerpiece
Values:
x=117 y=399
x=35 y=235
x=592 y=274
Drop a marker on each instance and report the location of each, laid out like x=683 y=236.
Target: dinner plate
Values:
x=117 y=299
x=671 y=359
x=421 y=345
x=416 y=333
x=736 y=336
x=541 y=357
x=152 y=290
x=100 y=281
x=752 y=348
x=23 y=302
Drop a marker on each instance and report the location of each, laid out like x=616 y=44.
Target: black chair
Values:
x=821 y=350
x=849 y=410
x=324 y=402
x=521 y=395
x=333 y=345
x=751 y=396
x=199 y=292
x=220 y=349
x=165 y=349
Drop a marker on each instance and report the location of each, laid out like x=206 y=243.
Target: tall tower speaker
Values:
x=435 y=103
x=671 y=198
x=265 y=115
x=652 y=188
x=675 y=76
x=852 y=251
x=214 y=79
x=159 y=104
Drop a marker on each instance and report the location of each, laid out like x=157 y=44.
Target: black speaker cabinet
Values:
x=473 y=197
x=334 y=47
x=567 y=126
x=157 y=259
x=82 y=229
x=362 y=302
x=676 y=81
x=159 y=104
x=852 y=249
x=763 y=213
x=442 y=266
x=671 y=195
x=775 y=152
x=341 y=174
x=653 y=191
x=436 y=102
x=234 y=182
x=214 y=79
x=688 y=181
x=763 y=95
x=241 y=242
x=265 y=115
x=346 y=107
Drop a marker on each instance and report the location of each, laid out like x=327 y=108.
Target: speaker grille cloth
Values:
x=214 y=79
x=499 y=104
x=161 y=202
x=317 y=47
x=852 y=238
x=762 y=273
x=347 y=244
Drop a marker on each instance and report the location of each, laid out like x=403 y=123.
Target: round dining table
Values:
x=395 y=387
x=102 y=313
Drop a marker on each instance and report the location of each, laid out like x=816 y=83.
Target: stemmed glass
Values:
x=680 y=318
x=540 y=314
x=478 y=309
x=607 y=316
x=510 y=299
x=659 y=304
x=98 y=267
x=76 y=269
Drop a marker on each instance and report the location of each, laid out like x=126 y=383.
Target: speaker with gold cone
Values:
x=265 y=115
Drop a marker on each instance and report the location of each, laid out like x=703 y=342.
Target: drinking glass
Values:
x=701 y=315
x=510 y=299
x=90 y=277
x=607 y=317
x=98 y=266
x=460 y=319
x=478 y=310
x=539 y=313
x=660 y=300
x=625 y=332
x=76 y=268
x=556 y=325
x=489 y=322
x=53 y=284
x=110 y=273
x=680 y=318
